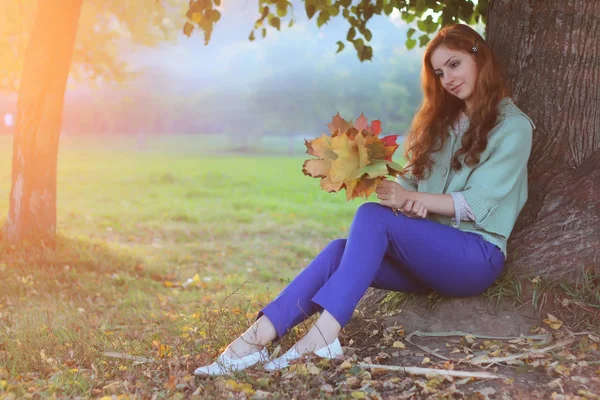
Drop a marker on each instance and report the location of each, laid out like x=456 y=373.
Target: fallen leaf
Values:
x=555 y=383
x=313 y=369
x=261 y=394
x=327 y=388
x=353 y=382
x=487 y=391
x=240 y=387
x=553 y=322
x=580 y=379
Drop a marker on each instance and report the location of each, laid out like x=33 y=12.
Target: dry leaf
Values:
x=553 y=322
x=353 y=382
x=240 y=387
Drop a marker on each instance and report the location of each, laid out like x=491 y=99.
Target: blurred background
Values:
x=138 y=81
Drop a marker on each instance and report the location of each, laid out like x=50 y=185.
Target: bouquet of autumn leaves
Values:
x=354 y=157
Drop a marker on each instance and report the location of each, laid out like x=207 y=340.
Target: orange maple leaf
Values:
x=339 y=124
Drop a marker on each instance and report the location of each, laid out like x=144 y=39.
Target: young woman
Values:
x=465 y=184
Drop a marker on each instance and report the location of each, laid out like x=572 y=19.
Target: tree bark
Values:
x=551 y=53
x=32 y=212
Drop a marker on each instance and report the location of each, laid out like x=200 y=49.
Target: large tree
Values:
x=551 y=52
x=52 y=53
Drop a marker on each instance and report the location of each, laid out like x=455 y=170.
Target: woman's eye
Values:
x=454 y=64
x=439 y=74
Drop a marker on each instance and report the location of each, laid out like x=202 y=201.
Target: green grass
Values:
x=133 y=226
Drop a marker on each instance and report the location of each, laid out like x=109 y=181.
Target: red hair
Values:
x=440 y=109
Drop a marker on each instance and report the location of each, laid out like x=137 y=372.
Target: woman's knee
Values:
x=336 y=246
x=371 y=210
x=372 y=216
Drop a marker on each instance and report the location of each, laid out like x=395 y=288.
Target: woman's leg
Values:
x=294 y=303
x=386 y=251
x=438 y=257
x=442 y=258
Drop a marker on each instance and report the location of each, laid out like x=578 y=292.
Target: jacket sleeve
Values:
x=497 y=176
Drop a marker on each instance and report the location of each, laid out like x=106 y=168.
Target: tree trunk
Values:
x=551 y=52
x=32 y=212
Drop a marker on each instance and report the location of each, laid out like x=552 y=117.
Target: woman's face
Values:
x=456 y=70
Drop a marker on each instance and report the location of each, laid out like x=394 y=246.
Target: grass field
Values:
x=134 y=226
x=166 y=252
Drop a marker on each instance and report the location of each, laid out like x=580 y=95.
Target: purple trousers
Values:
x=386 y=251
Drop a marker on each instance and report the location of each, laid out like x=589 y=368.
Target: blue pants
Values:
x=386 y=251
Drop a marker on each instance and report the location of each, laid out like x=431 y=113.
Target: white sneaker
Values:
x=224 y=365
x=330 y=352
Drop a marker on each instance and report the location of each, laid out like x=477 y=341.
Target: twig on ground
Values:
x=122 y=356
x=426 y=349
x=495 y=360
x=432 y=371
x=478 y=336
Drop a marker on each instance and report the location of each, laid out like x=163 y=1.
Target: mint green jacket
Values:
x=496 y=188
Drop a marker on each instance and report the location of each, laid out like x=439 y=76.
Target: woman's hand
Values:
x=393 y=195
x=414 y=209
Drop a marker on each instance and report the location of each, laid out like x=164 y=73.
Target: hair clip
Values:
x=474 y=48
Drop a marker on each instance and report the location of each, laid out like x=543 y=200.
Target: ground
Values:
x=165 y=254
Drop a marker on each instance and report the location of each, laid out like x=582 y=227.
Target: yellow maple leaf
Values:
x=319 y=147
x=316 y=168
x=329 y=186
x=240 y=387
x=553 y=322
x=347 y=162
x=363 y=142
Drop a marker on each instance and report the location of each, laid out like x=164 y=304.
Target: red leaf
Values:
x=389 y=140
x=362 y=123
x=376 y=127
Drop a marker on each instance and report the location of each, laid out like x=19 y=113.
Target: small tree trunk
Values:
x=551 y=52
x=32 y=213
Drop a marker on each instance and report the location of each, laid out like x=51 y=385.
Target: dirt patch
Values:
x=550 y=363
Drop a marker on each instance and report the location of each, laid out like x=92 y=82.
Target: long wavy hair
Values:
x=440 y=109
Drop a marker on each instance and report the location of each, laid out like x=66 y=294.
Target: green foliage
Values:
x=103 y=27
x=430 y=15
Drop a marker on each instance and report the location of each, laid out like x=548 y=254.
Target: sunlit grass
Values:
x=134 y=226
